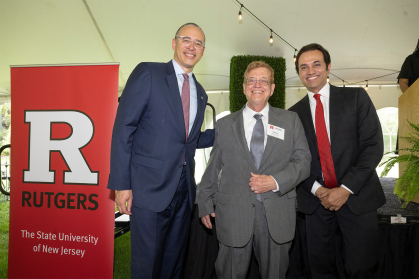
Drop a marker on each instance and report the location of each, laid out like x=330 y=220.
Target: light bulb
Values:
x=271 y=39
x=240 y=15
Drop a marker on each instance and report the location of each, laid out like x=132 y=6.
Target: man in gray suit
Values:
x=262 y=154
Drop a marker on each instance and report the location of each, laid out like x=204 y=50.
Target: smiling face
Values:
x=188 y=56
x=257 y=95
x=313 y=71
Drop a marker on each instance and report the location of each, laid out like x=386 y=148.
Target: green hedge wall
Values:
x=238 y=66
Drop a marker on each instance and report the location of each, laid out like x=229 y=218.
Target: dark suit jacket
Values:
x=357 y=148
x=148 y=140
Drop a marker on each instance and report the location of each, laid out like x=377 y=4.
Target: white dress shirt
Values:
x=249 y=123
x=325 y=99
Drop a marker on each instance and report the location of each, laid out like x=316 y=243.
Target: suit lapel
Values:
x=175 y=94
x=307 y=121
x=274 y=119
x=337 y=97
x=200 y=95
x=238 y=130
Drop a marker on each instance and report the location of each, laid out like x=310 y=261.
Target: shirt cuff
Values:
x=347 y=189
x=316 y=185
x=277 y=187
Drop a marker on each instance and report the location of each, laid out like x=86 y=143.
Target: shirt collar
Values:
x=179 y=70
x=325 y=92
x=250 y=113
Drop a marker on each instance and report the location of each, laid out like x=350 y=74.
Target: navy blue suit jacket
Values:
x=148 y=140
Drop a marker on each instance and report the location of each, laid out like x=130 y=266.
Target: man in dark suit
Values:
x=343 y=191
x=157 y=129
x=262 y=154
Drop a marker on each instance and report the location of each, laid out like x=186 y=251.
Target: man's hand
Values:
x=207 y=221
x=262 y=183
x=322 y=191
x=123 y=200
x=334 y=198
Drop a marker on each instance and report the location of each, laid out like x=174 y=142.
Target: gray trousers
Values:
x=233 y=262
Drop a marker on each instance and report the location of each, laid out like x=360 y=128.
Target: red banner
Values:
x=61 y=214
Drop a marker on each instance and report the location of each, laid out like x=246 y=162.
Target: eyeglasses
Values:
x=186 y=41
x=262 y=81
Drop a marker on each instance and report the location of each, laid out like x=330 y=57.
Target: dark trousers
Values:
x=159 y=239
x=359 y=243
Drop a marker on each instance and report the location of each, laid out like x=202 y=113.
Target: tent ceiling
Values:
x=366 y=38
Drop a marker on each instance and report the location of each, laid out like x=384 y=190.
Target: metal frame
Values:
x=2 y=190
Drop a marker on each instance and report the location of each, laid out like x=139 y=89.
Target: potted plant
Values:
x=407 y=185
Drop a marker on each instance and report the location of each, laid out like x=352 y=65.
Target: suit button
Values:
x=180 y=165
x=252 y=205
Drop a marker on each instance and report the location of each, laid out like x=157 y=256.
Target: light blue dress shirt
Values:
x=193 y=97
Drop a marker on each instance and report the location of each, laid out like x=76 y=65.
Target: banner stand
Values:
x=61 y=213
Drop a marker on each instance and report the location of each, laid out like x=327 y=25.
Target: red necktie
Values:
x=186 y=102
x=323 y=144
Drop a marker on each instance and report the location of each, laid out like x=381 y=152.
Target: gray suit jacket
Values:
x=288 y=161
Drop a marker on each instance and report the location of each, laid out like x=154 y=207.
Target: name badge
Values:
x=276 y=132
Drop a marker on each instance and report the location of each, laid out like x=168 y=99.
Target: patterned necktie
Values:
x=323 y=145
x=257 y=146
x=185 y=102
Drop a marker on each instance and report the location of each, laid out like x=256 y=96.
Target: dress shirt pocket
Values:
x=147 y=162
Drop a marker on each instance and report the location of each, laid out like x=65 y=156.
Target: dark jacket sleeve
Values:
x=370 y=142
x=133 y=103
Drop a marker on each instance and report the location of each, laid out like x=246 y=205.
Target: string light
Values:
x=354 y=83
x=328 y=79
x=295 y=50
x=276 y=34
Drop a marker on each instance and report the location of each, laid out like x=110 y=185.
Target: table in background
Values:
x=399 y=251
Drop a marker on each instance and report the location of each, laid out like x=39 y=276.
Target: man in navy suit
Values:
x=343 y=191
x=157 y=129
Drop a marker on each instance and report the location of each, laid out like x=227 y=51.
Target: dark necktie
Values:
x=257 y=144
x=323 y=145
x=186 y=102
